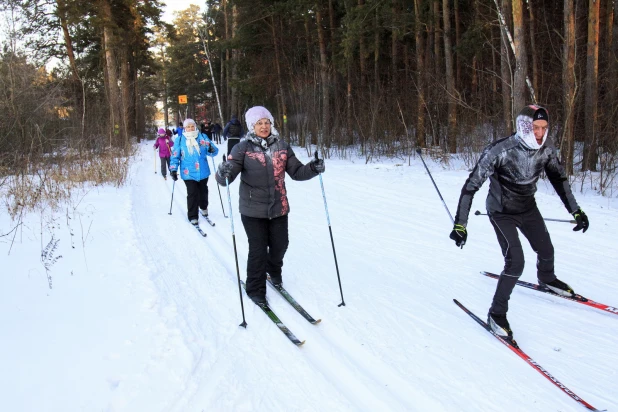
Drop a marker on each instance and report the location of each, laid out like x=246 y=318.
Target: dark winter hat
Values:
x=540 y=114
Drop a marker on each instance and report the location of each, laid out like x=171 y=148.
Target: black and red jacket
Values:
x=262 y=164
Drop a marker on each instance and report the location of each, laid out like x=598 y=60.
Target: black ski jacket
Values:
x=262 y=164
x=513 y=169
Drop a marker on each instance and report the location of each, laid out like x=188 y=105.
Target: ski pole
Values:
x=172 y=201
x=434 y=185
x=437 y=190
x=214 y=168
x=478 y=213
x=229 y=201
x=155 y=161
x=332 y=242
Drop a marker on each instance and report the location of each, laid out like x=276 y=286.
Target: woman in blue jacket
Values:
x=189 y=159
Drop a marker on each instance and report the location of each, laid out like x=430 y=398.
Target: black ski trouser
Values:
x=165 y=164
x=231 y=142
x=197 y=196
x=268 y=242
x=532 y=226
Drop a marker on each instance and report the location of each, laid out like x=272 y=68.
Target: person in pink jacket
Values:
x=164 y=143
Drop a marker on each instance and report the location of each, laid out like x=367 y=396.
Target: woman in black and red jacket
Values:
x=262 y=159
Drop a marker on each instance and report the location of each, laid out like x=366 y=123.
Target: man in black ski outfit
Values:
x=513 y=166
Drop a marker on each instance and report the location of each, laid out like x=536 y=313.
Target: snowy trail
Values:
x=351 y=374
x=333 y=350
x=144 y=313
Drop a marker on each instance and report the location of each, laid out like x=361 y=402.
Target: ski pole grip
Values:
x=418 y=150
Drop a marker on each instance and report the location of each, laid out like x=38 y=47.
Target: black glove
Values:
x=225 y=170
x=211 y=149
x=174 y=175
x=581 y=219
x=317 y=165
x=459 y=235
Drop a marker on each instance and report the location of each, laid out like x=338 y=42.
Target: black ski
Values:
x=286 y=295
x=272 y=316
x=512 y=345
x=576 y=298
x=210 y=222
x=199 y=229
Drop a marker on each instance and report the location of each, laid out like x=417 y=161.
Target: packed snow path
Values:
x=399 y=344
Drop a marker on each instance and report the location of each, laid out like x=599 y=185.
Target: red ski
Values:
x=512 y=345
x=576 y=298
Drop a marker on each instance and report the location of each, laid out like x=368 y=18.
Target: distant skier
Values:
x=216 y=131
x=178 y=130
x=513 y=166
x=233 y=132
x=164 y=143
x=262 y=159
x=189 y=156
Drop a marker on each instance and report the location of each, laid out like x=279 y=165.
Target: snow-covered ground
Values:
x=144 y=312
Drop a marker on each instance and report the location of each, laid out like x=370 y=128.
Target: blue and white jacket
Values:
x=192 y=165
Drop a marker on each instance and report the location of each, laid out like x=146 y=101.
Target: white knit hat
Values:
x=188 y=122
x=257 y=113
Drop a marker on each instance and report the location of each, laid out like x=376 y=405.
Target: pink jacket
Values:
x=164 y=144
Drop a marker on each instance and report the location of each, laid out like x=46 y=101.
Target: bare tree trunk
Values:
x=421 y=110
x=569 y=90
x=376 y=52
x=234 y=89
x=457 y=43
x=127 y=95
x=533 y=48
x=140 y=121
x=349 y=136
x=613 y=54
x=394 y=49
x=474 y=82
x=61 y=10
x=592 y=74
x=77 y=83
x=494 y=68
x=437 y=54
x=323 y=75
x=609 y=139
x=280 y=96
x=112 y=74
x=308 y=37
x=505 y=73
x=362 y=51
x=228 y=91
x=450 y=79
x=521 y=57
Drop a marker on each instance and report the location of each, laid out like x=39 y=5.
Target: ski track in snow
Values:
x=399 y=344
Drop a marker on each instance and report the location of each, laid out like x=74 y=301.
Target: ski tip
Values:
x=301 y=343
x=317 y=321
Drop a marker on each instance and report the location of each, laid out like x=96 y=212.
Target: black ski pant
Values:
x=268 y=242
x=231 y=142
x=532 y=226
x=197 y=196
x=165 y=164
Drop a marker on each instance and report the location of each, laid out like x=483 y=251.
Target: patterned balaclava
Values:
x=524 y=125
